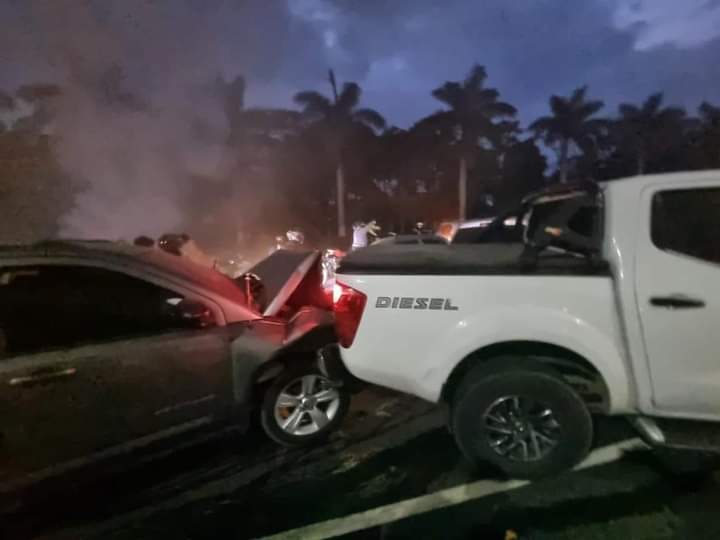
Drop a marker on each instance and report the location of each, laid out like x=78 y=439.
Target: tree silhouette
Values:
x=339 y=117
x=471 y=119
x=409 y=175
x=522 y=172
x=34 y=191
x=570 y=122
x=709 y=114
x=648 y=129
x=251 y=128
x=397 y=176
x=709 y=135
x=7 y=103
x=233 y=96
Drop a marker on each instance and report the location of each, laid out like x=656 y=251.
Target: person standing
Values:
x=279 y=244
x=361 y=231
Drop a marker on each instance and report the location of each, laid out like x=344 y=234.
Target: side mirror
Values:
x=194 y=314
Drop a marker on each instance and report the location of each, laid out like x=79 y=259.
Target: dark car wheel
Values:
x=302 y=406
x=528 y=423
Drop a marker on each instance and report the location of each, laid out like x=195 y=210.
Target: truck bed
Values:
x=463 y=259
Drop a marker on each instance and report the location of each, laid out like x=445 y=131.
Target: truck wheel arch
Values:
x=577 y=371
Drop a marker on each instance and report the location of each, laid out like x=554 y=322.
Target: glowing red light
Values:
x=348 y=305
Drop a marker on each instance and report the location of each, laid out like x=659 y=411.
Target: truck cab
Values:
x=661 y=240
x=602 y=300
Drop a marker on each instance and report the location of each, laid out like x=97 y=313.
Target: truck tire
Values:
x=302 y=406
x=524 y=419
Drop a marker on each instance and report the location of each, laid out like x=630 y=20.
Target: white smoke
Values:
x=141 y=112
x=132 y=167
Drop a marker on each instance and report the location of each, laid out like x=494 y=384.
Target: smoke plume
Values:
x=141 y=111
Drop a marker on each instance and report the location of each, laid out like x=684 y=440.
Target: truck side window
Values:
x=687 y=221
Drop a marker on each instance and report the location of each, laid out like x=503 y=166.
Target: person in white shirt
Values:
x=361 y=232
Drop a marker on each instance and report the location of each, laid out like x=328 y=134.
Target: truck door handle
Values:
x=676 y=301
x=42 y=376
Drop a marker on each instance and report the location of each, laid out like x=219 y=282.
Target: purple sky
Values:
x=131 y=168
x=398 y=50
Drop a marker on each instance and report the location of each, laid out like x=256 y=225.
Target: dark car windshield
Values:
x=195 y=273
x=501 y=230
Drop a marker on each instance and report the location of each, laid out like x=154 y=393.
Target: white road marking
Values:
x=233 y=480
x=440 y=499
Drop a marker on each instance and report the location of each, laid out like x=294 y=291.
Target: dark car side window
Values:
x=505 y=232
x=51 y=307
x=687 y=221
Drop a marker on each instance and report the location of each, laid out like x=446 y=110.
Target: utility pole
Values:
x=339 y=172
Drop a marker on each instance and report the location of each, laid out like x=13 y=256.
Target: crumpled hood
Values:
x=281 y=274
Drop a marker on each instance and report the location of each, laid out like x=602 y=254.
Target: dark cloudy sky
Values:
x=398 y=50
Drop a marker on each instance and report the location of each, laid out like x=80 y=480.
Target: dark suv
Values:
x=106 y=347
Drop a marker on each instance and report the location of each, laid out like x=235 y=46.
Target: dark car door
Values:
x=95 y=358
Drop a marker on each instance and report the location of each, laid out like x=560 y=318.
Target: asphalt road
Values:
x=392 y=459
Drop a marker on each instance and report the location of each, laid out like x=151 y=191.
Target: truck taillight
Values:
x=348 y=305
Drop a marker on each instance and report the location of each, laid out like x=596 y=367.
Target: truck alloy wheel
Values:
x=303 y=406
x=521 y=429
x=525 y=420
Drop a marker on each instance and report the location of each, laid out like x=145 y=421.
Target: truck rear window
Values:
x=505 y=232
x=584 y=221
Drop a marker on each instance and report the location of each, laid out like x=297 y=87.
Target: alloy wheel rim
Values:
x=306 y=405
x=520 y=428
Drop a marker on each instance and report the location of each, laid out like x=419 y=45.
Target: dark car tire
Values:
x=290 y=381
x=490 y=392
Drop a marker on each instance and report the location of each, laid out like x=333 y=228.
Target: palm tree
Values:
x=471 y=114
x=339 y=116
x=571 y=122
x=648 y=129
x=709 y=113
x=710 y=133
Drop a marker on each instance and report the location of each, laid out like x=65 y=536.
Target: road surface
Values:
x=392 y=472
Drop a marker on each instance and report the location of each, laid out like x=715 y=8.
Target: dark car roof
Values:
x=425 y=238
x=147 y=259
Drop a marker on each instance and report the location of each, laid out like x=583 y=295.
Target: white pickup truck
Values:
x=598 y=299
